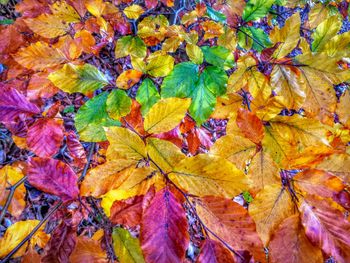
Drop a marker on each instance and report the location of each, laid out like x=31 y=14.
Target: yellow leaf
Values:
x=95 y=7
x=226 y=106
x=263 y=171
x=337 y=164
x=48 y=26
x=324 y=32
x=171 y=44
x=288 y=36
x=9 y=176
x=338 y=46
x=286 y=136
x=236 y=149
x=212 y=29
x=160 y=66
x=133 y=11
x=209 y=175
x=247 y=76
x=317 y=14
x=228 y=39
x=194 y=53
x=39 y=56
x=138 y=182
x=102 y=178
x=164 y=153
x=343 y=109
x=65 y=12
x=269 y=208
x=289 y=86
x=166 y=114
x=124 y=143
x=16 y=233
x=152 y=29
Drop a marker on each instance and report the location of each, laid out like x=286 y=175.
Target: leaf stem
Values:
x=87 y=165
x=10 y=196
x=31 y=234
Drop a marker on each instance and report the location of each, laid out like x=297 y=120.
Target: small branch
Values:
x=32 y=233
x=9 y=197
x=87 y=165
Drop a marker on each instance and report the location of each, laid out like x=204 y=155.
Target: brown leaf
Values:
x=53 y=177
x=45 y=137
x=60 y=246
x=290 y=244
x=164 y=236
x=88 y=250
x=232 y=223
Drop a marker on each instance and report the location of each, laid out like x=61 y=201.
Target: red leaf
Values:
x=214 y=251
x=60 y=246
x=129 y=212
x=151 y=3
x=164 y=236
x=76 y=149
x=13 y=103
x=45 y=137
x=53 y=177
x=250 y=125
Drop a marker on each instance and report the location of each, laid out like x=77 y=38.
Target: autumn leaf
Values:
x=165 y=115
x=133 y=11
x=160 y=66
x=269 y=208
x=74 y=78
x=54 y=177
x=129 y=45
x=209 y=175
x=128 y=79
x=10 y=175
x=16 y=233
x=14 y=104
x=298 y=247
x=326 y=227
x=126 y=247
x=168 y=240
x=214 y=251
x=229 y=221
x=45 y=137
x=39 y=56
x=88 y=250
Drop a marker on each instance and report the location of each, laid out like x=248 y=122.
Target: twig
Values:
x=10 y=196
x=31 y=234
x=86 y=167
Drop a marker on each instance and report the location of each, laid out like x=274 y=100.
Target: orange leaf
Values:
x=128 y=78
x=250 y=125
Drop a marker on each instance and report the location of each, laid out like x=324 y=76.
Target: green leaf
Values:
x=92 y=117
x=129 y=45
x=147 y=95
x=6 y=21
x=180 y=81
x=69 y=109
x=211 y=84
x=78 y=78
x=251 y=37
x=219 y=56
x=118 y=104
x=216 y=15
x=126 y=247
x=256 y=9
